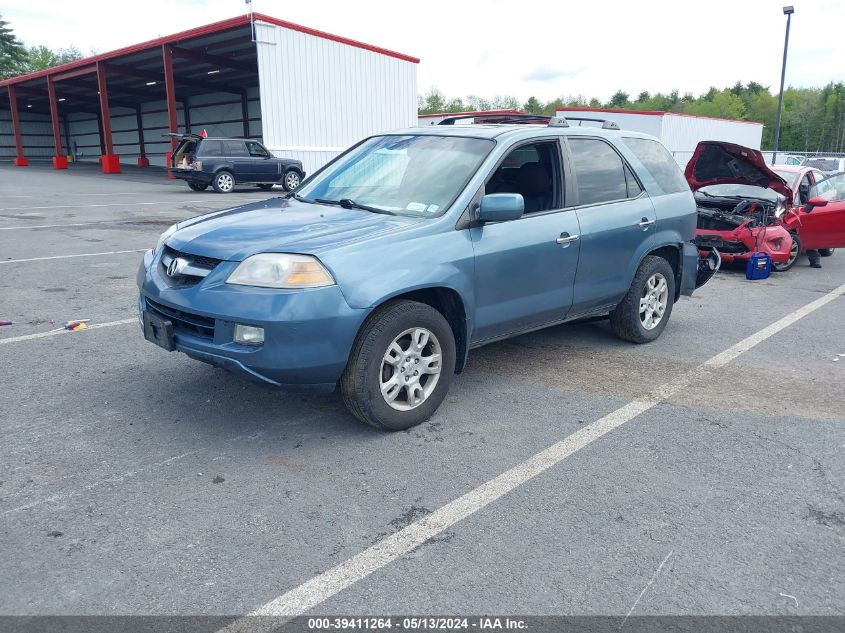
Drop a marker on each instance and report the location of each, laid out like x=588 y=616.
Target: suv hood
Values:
x=720 y=163
x=279 y=225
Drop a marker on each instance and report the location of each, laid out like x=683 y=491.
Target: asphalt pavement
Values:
x=136 y=481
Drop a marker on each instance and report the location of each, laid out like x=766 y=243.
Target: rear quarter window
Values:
x=211 y=148
x=659 y=163
x=234 y=148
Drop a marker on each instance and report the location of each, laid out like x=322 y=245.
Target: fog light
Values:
x=249 y=335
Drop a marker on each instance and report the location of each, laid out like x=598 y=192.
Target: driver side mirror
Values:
x=814 y=202
x=501 y=207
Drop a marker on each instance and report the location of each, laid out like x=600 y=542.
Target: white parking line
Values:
x=41 y=259
x=301 y=599
x=93 y=326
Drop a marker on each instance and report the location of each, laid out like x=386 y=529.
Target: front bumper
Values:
x=741 y=244
x=308 y=334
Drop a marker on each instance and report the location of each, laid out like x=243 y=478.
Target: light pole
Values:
x=787 y=11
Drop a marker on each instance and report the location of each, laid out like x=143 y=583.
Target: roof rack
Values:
x=498 y=117
x=556 y=121
x=606 y=124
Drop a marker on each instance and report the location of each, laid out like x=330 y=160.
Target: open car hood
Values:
x=721 y=163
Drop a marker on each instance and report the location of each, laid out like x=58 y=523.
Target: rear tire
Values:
x=793 y=256
x=291 y=180
x=642 y=314
x=198 y=186
x=400 y=366
x=224 y=182
x=826 y=252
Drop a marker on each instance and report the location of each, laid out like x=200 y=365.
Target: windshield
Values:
x=417 y=176
x=741 y=191
x=790 y=177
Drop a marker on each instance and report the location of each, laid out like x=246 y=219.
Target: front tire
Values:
x=794 y=252
x=291 y=180
x=198 y=186
x=224 y=182
x=400 y=367
x=642 y=314
x=826 y=252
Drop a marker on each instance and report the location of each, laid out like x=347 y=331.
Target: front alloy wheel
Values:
x=794 y=252
x=291 y=181
x=410 y=369
x=400 y=366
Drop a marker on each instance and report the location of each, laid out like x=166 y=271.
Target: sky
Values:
x=491 y=47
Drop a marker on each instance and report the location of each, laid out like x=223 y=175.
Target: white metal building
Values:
x=680 y=133
x=305 y=93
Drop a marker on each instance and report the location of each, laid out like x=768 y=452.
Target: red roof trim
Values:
x=654 y=113
x=448 y=114
x=208 y=29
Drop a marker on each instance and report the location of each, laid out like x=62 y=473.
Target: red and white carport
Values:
x=321 y=93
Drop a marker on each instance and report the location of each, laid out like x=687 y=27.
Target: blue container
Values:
x=759 y=266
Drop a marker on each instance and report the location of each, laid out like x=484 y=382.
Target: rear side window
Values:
x=599 y=171
x=234 y=148
x=659 y=163
x=211 y=148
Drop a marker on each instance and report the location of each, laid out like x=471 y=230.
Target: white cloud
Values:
x=495 y=47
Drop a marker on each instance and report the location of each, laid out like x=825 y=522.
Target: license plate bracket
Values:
x=159 y=331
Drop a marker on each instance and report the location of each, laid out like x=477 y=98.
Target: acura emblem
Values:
x=176 y=266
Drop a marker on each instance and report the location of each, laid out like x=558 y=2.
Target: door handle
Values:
x=645 y=223
x=566 y=238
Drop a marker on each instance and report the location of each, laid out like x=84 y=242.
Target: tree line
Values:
x=17 y=59
x=813 y=119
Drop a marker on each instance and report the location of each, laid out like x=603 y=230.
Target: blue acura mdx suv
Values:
x=383 y=269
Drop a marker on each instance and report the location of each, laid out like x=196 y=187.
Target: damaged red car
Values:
x=740 y=200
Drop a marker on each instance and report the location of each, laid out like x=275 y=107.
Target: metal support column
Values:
x=110 y=161
x=245 y=113
x=143 y=161
x=170 y=89
x=59 y=158
x=20 y=159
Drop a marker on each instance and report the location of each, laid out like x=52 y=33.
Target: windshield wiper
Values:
x=346 y=203
x=296 y=196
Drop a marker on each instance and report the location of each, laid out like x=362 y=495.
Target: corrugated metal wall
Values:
x=319 y=96
x=218 y=113
x=645 y=123
x=37 y=139
x=682 y=133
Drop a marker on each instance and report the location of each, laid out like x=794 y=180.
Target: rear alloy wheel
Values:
x=292 y=180
x=826 y=252
x=643 y=313
x=198 y=186
x=794 y=252
x=224 y=182
x=400 y=367
x=266 y=186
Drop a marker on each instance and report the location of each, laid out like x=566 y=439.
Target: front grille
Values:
x=199 y=267
x=184 y=321
x=195 y=260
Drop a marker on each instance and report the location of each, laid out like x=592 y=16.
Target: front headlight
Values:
x=281 y=270
x=163 y=238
